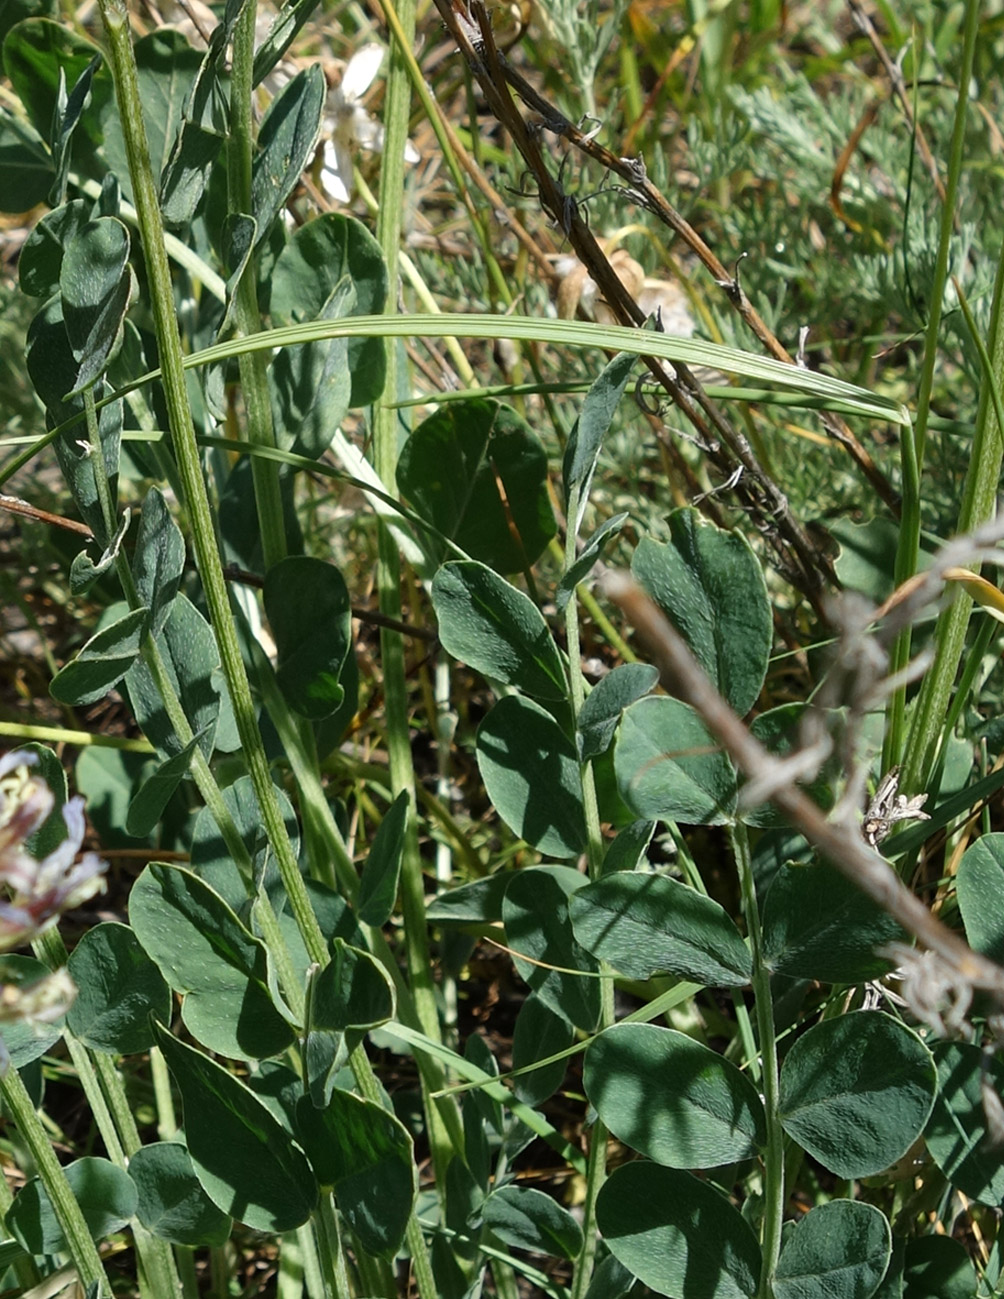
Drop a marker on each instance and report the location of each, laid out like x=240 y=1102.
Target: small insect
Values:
x=888 y=806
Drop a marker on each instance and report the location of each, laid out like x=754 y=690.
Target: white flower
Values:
x=350 y=126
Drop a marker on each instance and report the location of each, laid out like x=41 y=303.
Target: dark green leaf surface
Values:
x=152 y=797
x=452 y=468
x=539 y=1032
x=308 y=607
x=980 y=887
x=159 y=558
x=627 y=852
x=286 y=143
x=711 y=587
x=171 y=1202
x=118 y=989
x=839 y=1250
x=42 y=255
x=107 y=1199
x=95 y=283
x=670 y=768
x=529 y=1219
x=531 y=773
x=308 y=270
x=365 y=1154
x=677 y=1234
x=857 y=1091
x=352 y=991
x=34 y=52
x=246 y=1161
x=102 y=663
x=957 y=1134
x=311 y=385
x=587 y=557
x=643 y=924
x=817 y=925
x=535 y=912
x=210 y=858
x=207 y=955
x=672 y=1099
x=28 y=169
x=604 y=704
x=497 y=630
x=598 y=408
x=378 y=885
x=938 y=1267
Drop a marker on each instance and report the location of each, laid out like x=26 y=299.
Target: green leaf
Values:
x=957 y=1134
x=166 y=66
x=531 y=773
x=34 y=53
x=672 y=1099
x=677 y=1234
x=311 y=385
x=210 y=858
x=70 y=109
x=539 y=1032
x=378 y=885
x=26 y=1041
x=286 y=143
x=497 y=630
x=152 y=797
x=529 y=1219
x=159 y=558
x=189 y=652
x=53 y=370
x=13 y=11
x=171 y=1203
x=107 y=1199
x=365 y=1154
x=118 y=989
x=938 y=1267
x=310 y=613
x=627 y=852
x=839 y=1250
x=535 y=912
x=352 y=991
x=41 y=257
x=245 y=1159
x=711 y=587
x=478 y=473
x=818 y=925
x=777 y=730
x=25 y=163
x=102 y=663
x=597 y=412
x=856 y=1092
x=95 y=283
x=317 y=258
x=207 y=955
x=643 y=924
x=979 y=885
x=670 y=768
x=477 y=903
x=588 y=556
x=604 y=704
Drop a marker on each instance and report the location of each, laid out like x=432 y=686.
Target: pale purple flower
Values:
x=40 y=891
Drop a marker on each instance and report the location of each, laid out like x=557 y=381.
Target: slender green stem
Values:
x=254 y=384
x=774 y=1193
x=81 y=1247
x=115 y=18
x=979 y=499
x=913 y=442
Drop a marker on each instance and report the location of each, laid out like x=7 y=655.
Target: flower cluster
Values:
x=40 y=891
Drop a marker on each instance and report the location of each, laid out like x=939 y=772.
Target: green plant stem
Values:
x=82 y=1249
x=385 y=441
x=254 y=384
x=773 y=1193
x=594 y=852
x=912 y=443
x=116 y=22
x=979 y=498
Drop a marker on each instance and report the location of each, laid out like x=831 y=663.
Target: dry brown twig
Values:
x=469 y=25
